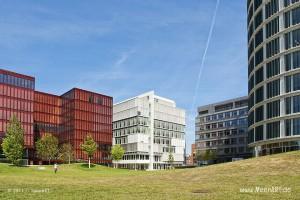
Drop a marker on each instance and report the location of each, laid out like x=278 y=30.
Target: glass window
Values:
x=259 y=56
x=273 y=109
x=296 y=104
x=259 y=133
x=259 y=93
x=259 y=114
x=288 y=127
x=273 y=88
x=296 y=126
x=273 y=130
x=259 y=75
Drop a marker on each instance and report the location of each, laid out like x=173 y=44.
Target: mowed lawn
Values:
x=222 y=181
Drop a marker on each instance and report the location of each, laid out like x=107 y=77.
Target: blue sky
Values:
x=126 y=47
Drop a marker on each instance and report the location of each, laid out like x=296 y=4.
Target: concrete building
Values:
x=149 y=128
x=274 y=75
x=222 y=129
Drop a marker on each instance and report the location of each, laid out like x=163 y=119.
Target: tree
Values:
x=13 y=143
x=117 y=153
x=89 y=147
x=47 y=147
x=171 y=159
x=205 y=155
x=66 y=152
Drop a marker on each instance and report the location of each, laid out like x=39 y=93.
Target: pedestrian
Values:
x=55 y=168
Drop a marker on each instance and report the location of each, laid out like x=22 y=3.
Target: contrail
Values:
x=204 y=54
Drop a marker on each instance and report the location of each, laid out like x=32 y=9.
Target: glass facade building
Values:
x=273 y=75
x=70 y=117
x=222 y=129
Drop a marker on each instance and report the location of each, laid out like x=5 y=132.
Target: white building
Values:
x=150 y=129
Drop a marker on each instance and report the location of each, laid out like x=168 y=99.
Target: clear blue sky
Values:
x=126 y=47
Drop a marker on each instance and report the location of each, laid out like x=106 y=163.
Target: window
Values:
x=296 y=82
x=257 y=3
x=259 y=56
x=292 y=104
x=288 y=105
x=273 y=130
x=259 y=75
x=259 y=94
x=259 y=37
x=251 y=100
x=258 y=19
x=292 y=60
x=251 y=83
x=273 y=109
x=259 y=133
x=250 y=48
x=273 y=88
x=292 y=39
x=251 y=118
x=292 y=17
x=288 y=127
x=272 y=47
x=273 y=68
x=288 y=2
x=250 y=15
x=271 y=8
x=250 y=31
x=296 y=16
x=251 y=136
x=288 y=84
x=251 y=65
x=296 y=126
x=272 y=27
x=259 y=114
x=296 y=104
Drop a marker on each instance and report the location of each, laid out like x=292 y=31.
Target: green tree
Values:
x=171 y=160
x=117 y=153
x=89 y=147
x=47 y=147
x=66 y=153
x=205 y=155
x=13 y=143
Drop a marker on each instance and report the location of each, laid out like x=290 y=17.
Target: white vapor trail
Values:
x=204 y=54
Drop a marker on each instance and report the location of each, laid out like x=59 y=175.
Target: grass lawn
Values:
x=222 y=181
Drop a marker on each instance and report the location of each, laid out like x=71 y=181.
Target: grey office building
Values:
x=222 y=128
x=274 y=75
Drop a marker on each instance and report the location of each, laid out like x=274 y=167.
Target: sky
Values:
x=123 y=48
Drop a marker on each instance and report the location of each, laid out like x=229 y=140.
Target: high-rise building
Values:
x=274 y=75
x=70 y=117
x=150 y=129
x=221 y=129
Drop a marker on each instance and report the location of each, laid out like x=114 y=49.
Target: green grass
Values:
x=222 y=181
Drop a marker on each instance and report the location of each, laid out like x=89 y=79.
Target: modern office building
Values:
x=149 y=128
x=274 y=75
x=222 y=128
x=70 y=117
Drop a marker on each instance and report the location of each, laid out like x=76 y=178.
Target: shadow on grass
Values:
x=85 y=165
x=17 y=166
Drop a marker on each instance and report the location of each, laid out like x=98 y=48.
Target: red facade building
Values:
x=70 y=117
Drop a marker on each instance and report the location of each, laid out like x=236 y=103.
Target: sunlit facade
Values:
x=274 y=75
x=149 y=128
x=70 y=117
